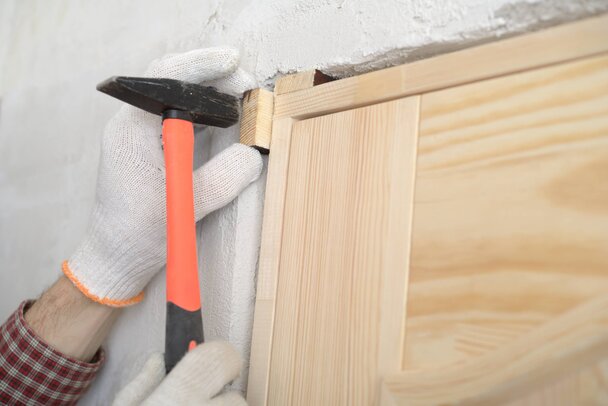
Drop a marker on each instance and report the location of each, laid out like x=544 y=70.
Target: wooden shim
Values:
x=256 y=123
x=299 y=81
x=559 y=44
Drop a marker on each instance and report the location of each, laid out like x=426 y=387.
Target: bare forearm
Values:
x=70 y=322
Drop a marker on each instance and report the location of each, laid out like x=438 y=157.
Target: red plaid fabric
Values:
x=33 y=373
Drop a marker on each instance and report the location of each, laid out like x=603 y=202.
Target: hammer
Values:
x=180 y=104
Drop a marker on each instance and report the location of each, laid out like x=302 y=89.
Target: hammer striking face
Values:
x=205 y=105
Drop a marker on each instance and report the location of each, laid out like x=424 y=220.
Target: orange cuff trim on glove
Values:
x=103 y=300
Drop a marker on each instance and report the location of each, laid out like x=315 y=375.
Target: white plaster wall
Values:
x=52 y=54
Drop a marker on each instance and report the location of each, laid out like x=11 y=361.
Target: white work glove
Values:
x=196 y=380
x=126 y=242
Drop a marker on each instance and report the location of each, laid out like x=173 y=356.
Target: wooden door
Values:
x=437 y=232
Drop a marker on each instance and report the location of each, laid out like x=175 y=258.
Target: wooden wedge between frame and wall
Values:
x=427 y=223
x=256 y=120
x=258 y=107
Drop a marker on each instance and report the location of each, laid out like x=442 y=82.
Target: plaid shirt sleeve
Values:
x=33 y=373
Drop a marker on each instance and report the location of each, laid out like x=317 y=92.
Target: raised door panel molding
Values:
x=338 y=325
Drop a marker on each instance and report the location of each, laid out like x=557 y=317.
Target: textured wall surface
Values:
x=52 y=54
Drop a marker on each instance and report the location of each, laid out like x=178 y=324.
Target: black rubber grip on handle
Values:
x=183 y=327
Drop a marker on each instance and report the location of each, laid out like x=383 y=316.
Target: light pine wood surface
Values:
x=270 y=250
x=580 y=386
x=562 y=362
x=510 y=225
x=349 y=189
x=567 y=42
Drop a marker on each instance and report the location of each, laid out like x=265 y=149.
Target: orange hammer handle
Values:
x=184 y=323
x=182 y=268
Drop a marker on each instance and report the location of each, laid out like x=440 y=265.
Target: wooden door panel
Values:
x=349 y=192
x=510 y=224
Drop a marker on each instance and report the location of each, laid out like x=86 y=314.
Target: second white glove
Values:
x=198 y=379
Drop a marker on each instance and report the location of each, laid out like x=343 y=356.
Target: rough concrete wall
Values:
x=53 y=53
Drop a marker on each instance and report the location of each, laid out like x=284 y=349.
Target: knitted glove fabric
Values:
x=126 y=242
x=197 y=379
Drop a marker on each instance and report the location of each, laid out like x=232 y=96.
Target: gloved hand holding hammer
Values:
x=59 y=335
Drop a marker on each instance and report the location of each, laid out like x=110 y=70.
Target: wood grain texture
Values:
x=510 y=225
x=563 y=43
x=256 y=119
x=299 y=81
x=349 y=188
x=573 y=347
x=270 y=249
x=586 y=386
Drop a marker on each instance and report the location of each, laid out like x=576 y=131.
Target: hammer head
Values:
x=204 y=104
